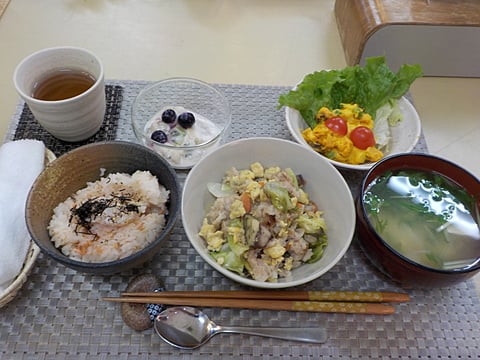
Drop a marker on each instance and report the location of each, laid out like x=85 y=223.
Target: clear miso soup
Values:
x=426 y=217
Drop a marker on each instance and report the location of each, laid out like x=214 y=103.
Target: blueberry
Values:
x=169 y=116
x=159 y=136
x=186 y=120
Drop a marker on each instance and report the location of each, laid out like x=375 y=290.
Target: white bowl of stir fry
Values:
x=267 y=212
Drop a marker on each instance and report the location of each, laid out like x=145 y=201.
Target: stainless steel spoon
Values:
x=188 y=328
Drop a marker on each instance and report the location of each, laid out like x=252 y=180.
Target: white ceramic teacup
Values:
x=71 y=119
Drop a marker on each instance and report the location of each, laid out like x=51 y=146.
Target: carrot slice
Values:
x=246 y=201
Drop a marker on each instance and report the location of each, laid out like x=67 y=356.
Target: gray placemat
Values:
x=59 y=315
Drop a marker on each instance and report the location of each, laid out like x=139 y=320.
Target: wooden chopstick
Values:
x=262 y=304
x=346 y=296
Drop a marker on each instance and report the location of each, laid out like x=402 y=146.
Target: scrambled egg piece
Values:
x=254 y=189
x=271 y=172
x=242 y=179
x=236 y=233
x=338 y=147
x=276 y=251
x=237 y=209
x=214 y=238
x=257 y=169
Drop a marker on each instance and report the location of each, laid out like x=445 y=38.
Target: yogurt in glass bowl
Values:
x=181 y=119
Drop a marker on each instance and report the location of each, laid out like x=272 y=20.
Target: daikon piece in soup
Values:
x=426 y=217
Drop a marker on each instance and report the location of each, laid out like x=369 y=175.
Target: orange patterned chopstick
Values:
x=346 y=296
x=262 y=304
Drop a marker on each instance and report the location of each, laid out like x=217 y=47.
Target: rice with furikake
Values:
x=111 y=218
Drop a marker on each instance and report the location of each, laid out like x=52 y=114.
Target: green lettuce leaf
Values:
x=370 y=86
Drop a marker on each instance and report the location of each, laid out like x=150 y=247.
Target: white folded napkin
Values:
x=20 y=163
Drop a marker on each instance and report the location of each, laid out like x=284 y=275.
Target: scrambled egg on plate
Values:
x=340 y=147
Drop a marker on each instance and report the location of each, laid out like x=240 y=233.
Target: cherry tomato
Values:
x=337 y=125
x=362 y=137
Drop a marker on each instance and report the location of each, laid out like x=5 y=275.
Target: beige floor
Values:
x=268 y=42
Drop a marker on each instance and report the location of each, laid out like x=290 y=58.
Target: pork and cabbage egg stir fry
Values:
x=262 y=223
